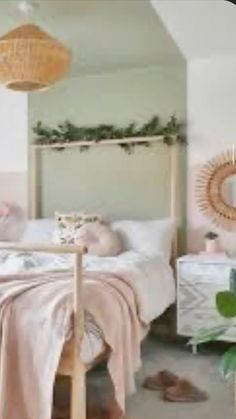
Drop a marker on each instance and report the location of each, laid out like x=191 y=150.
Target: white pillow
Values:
x=38 y=231
x=150 y=238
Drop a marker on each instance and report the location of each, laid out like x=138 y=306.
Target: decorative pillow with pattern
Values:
x=12 y=221
x=67 y=226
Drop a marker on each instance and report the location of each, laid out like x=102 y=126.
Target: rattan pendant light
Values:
x=31 y=60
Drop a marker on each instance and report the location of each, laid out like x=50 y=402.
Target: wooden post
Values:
x=78 y=391
x=174 y=189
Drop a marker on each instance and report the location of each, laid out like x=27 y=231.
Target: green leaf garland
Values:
x=66 y=132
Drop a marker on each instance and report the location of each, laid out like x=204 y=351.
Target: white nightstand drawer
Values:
x=190 y=323
x=203 y=272
x=199 y=295
x=200 y=278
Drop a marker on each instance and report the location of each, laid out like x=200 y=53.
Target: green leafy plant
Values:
x=226 y=306
x=210 y=235
x=66 y=132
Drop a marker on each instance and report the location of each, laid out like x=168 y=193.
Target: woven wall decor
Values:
x=31 y=60
x=209 y=190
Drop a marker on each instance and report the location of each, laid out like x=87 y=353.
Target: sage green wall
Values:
x=107 y=180
x=116 y=98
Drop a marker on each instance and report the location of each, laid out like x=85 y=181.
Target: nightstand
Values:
x=199 y=278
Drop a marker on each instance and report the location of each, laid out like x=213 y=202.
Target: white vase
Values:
x=211 y=246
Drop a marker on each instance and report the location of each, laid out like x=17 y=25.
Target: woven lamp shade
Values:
x=31 y=60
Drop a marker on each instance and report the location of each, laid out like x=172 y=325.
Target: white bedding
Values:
x=153 y=280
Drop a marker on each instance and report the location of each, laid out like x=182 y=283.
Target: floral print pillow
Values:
x=67 y=226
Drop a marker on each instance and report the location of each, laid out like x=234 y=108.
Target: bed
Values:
x=87 y=347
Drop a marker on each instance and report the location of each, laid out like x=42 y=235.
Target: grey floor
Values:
x=201 y=369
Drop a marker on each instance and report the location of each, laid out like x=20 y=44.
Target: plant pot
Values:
x=211 y=246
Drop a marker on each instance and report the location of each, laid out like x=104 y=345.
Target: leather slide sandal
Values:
x=160 y=381
x=184 y=391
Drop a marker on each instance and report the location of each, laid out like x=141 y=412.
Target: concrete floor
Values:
x=145 y=404
x=201 y=369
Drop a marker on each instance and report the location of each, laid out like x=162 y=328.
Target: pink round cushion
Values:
x=99 y=239
x=12 y=221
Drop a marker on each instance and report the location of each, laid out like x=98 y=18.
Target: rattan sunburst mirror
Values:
x=216 y=190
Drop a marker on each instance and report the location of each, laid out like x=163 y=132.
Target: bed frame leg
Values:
x=78 y=392
x=78 y=385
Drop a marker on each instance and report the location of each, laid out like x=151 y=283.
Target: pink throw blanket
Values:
x=35 y=322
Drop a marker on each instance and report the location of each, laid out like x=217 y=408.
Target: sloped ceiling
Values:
x=201 y=28
x=103 y=35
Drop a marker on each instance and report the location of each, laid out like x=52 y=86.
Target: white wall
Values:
x=14 y=130
x=211 y=130
x=191 y=24
x=14 y=146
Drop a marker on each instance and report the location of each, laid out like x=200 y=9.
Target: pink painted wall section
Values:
x=13 y=146
x=211 y=130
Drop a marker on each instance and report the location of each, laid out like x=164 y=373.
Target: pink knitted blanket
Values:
x=35 y=322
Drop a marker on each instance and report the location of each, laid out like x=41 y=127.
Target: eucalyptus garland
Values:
x=66 y=132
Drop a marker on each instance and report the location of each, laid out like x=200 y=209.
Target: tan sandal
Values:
x=160 y=381
x=184 y=391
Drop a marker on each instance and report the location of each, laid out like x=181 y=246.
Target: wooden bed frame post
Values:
x=174 y=196
x=78 y=390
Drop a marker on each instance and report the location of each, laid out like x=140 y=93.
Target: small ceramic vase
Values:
x=211 y=246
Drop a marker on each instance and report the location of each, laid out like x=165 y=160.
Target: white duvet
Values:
x=152 y=278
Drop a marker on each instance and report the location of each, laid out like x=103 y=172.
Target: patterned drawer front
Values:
x=189 y=325
x=198 y=296
x=203 y=272
x=198 y=282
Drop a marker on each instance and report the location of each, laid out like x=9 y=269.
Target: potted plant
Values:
x=226 y=306
x=211 y=242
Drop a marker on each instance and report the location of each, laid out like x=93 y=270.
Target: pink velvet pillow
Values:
x=99 y=239
x=12 y=222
